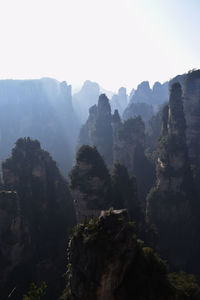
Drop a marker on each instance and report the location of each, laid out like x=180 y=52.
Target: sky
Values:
x=113 y=42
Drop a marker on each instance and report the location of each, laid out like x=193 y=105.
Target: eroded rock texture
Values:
x=192 y=114
x=14 y=240
x=128 y=149
x=36 y=220
x=107 y=262
x=119 y=141
x=90 y=184
x=170 y=203
x=97 y=131
x=94 y=188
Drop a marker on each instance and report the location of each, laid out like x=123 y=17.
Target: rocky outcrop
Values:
x=94 y=188
x=34 y=175
x=128 y=137
x=128 y=149
x=179 y=78
x=116 y=126
x=97 y=131
x=103 y=130
x=14 y=240
x=169 y=204
x=107 y=262
x=192 y=114
x=118 y=141
x=173 y=149
x=45 y=205
x=90 y=184
x=113 y=138
x=153 y=131
x=103 y=264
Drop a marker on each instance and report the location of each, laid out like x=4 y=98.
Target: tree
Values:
x=185 y=285
x=36 y=292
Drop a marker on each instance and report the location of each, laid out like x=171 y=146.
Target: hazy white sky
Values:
x=113 y=42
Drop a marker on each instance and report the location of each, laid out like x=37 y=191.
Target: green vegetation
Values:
x=149 y=278
x=190 y=80
x=45 y=209
x=99 y=188
x=36 y=293
x=145 y=274
x=91 y=177
x=185 y=285
x=111 y=251
x=171 y=202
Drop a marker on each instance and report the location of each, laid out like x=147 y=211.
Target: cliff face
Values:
x=129 y=136
x=90 y=184
x=116 y=126
x=169 y=204
x=45 y=206
x=173 y=162
x=103 y=129
x=35 y=176
x=14 y=240
x=153 y=131
x=153 y=126
x=102 y=259
x=41 y=109
x=192 y=114
x=179 y=78
x=94 y=188
x=98 y=130
x=119 y=141
x=116 y=141
x=128 y=149
x=107 y=262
